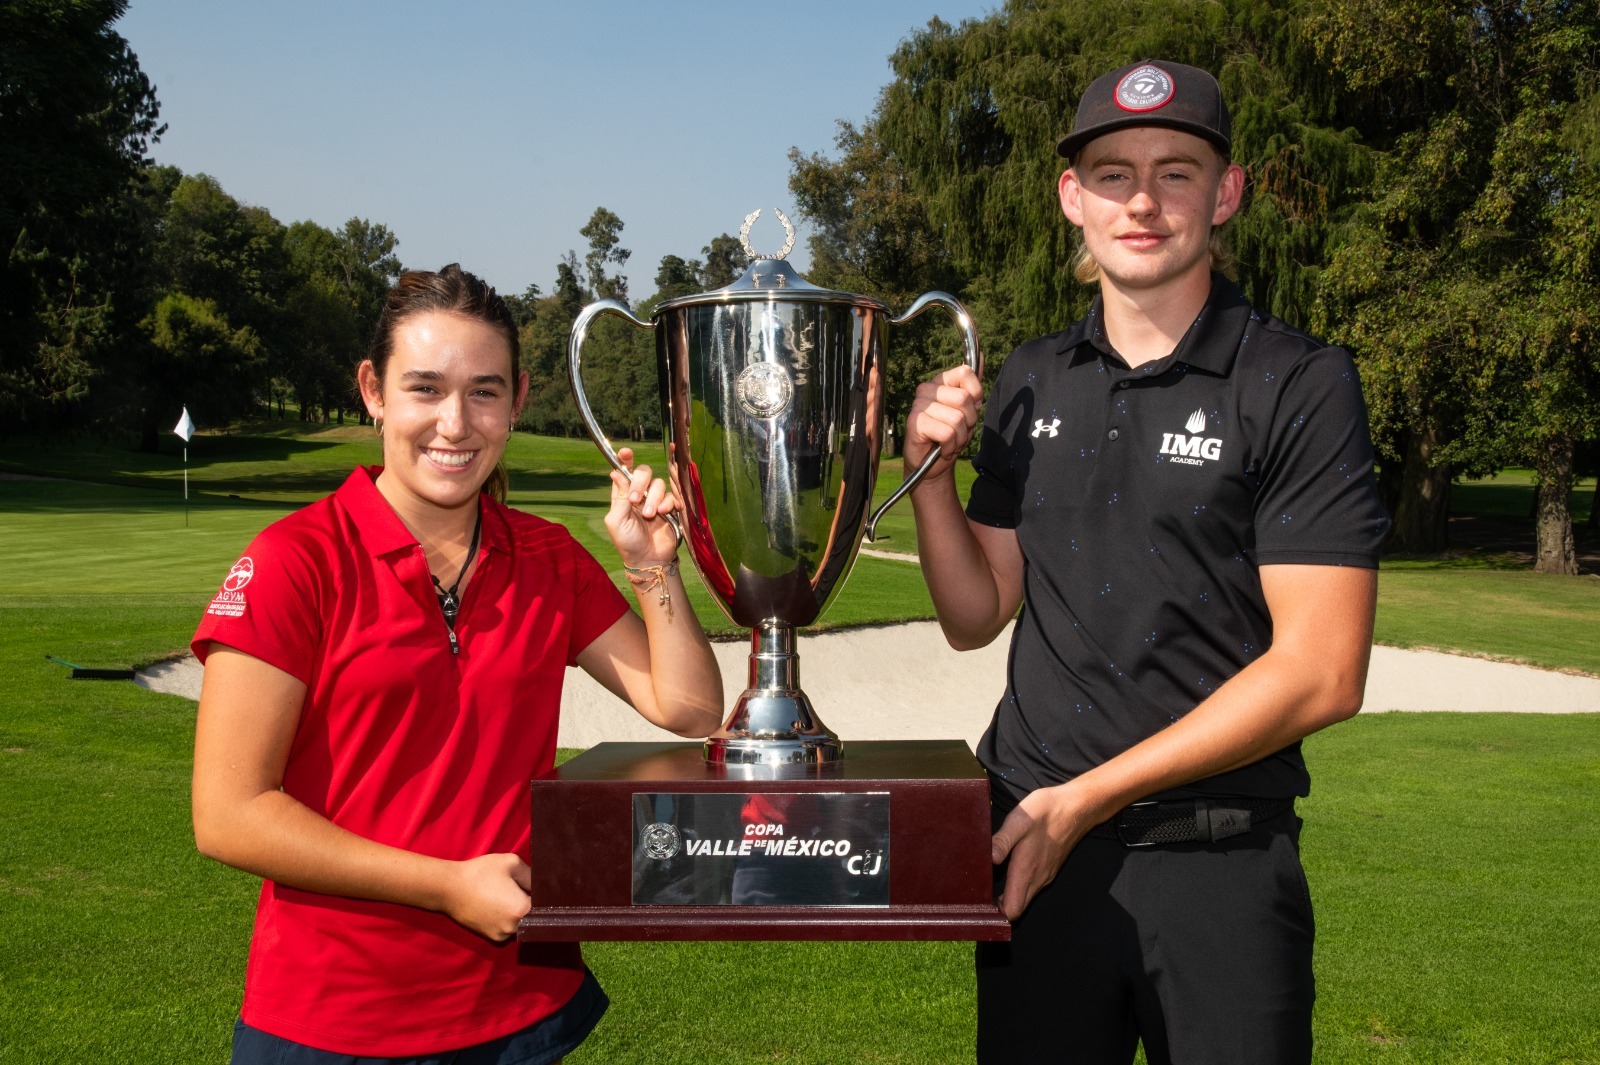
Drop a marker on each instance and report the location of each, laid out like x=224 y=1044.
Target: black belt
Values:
x=1146 y=824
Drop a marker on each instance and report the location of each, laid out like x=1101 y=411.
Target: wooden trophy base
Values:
x=647 y=841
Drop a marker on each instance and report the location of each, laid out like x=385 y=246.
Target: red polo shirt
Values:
x=403 y=742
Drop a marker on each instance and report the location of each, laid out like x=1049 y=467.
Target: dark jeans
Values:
x=1203 y=950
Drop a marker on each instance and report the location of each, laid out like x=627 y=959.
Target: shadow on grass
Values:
x=115 y=460
x=63 y=496
x=1509 y=499
x=1457 y=560
x=533 y=491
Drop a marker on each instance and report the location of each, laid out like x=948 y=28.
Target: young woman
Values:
x=383 y=676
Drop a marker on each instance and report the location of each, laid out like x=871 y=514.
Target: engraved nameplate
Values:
x=761 y=849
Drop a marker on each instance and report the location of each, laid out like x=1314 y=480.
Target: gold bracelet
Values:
x=649 y=578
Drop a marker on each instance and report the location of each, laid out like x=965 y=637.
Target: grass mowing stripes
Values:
x=125 y=532
x=1453 y=861
x=123 y=526
x=1537 y=618
x=118 y=941
x=691 y=1003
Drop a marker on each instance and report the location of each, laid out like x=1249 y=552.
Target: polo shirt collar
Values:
x=1210 y=343
x=381 y=529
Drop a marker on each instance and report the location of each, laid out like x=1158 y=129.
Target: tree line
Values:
x=129 y=288
x=1423 y=188
x=619 y=360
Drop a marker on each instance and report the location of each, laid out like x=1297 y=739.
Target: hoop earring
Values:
x=377 y=423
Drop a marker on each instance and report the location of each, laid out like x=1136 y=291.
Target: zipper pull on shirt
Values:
x=455 y=644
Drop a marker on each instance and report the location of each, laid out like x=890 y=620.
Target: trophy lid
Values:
x=770 y=278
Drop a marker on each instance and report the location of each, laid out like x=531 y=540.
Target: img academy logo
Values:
x=1144 y=89
x=230 y=602
x=1193 y=448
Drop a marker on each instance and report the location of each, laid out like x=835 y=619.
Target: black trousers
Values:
x=1202 y=950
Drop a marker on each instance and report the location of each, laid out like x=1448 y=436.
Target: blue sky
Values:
x=488 y=132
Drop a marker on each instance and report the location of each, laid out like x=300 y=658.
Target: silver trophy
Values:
x=772 y=402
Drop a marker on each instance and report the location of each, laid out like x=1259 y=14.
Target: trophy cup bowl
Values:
x=772 y=405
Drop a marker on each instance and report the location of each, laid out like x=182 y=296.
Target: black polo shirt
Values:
x=1145 y=500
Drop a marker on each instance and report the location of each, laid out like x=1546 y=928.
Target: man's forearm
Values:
x=1272 y=703
x=1269 y=705
x=1313 y=676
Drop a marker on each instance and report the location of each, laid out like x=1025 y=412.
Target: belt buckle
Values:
x=1122 y=829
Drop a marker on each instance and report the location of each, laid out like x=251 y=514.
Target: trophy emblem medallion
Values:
x=764 y=389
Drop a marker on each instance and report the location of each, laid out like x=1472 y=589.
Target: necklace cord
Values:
x=449 y=600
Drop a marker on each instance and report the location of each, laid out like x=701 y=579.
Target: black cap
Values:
x=1151 y=93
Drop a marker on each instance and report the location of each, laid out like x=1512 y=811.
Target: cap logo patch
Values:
x=1144 y=89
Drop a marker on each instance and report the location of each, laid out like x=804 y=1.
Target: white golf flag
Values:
x=185 y=426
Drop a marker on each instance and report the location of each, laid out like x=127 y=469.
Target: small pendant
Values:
x=448 y=604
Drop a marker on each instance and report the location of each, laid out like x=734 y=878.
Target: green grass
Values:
x=1451 y=856
x=118 y=941
x=1484 y=603
x=1453 y=861
x=123 y=527
x=1509 y=494
x=1472 y=606
x=120 y=520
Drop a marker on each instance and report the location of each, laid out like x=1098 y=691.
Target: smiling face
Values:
x=448 y=397
x=1147 y=199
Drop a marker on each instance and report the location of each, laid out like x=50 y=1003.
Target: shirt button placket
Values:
x=1120 y=406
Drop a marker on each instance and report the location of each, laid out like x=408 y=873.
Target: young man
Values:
x=1178 y=492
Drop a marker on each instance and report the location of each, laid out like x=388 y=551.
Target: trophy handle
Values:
x=973 y=358
x=580 y=330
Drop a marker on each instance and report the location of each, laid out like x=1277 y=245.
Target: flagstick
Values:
x=185 y=429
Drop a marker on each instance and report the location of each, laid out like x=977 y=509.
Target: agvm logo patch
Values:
x=230 y=601
x=1195 y=448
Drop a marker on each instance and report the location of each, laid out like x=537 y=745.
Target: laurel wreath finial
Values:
x=750 y=220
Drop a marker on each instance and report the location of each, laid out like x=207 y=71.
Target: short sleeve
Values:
x=1318 y=501
x=269 y=606
x=993 y=500
x=596 y=603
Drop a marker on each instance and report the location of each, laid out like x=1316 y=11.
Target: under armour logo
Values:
x=1053 y=429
